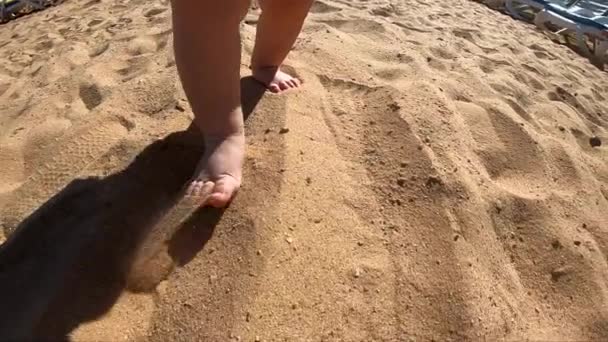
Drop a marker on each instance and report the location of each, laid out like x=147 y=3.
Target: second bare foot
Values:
x=274 y=79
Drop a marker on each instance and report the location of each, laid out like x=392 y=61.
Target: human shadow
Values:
x=69 y=261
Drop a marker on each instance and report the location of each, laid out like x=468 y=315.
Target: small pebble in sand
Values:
x=284 y=130
x=556 y=244
x=401 y=182
x=559 y=272
x=595 y=142
x=577 y=242
x=433 y=181
x=394 y=106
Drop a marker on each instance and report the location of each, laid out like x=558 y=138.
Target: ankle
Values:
x=264 y=67
x=216 y=138
x=219 y=127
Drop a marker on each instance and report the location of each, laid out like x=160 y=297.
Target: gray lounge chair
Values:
x=586 y=20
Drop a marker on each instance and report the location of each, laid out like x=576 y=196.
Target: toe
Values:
x=283 y=85
x=205 y=190
x=273 y=87
x=293 y=83
x=218 y=200
x=223 y=192
x=194 y=188
x=297 y=82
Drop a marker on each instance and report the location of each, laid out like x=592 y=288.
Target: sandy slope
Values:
x=436 y=182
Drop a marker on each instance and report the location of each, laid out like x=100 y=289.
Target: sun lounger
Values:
x=11 y=8
x=514 y=6
x=8 y=7
x=582 y=20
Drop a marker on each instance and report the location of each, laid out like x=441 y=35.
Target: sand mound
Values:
x=440 y=179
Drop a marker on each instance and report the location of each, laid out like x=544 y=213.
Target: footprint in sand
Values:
x=13 y=167
x=90 y=95
x=154 y=93
x=61 y=162
x=39 y=138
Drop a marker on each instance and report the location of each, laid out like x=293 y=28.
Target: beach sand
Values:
x=434 y=178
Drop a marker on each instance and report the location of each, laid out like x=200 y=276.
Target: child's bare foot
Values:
x=218 y=175
x=274 y=79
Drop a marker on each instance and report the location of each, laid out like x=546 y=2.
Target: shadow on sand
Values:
x=69 y=261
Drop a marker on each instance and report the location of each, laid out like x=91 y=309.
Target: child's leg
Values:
x=279 y=25
x=207 y=53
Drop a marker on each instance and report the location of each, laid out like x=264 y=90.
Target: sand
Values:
x=433 y=179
